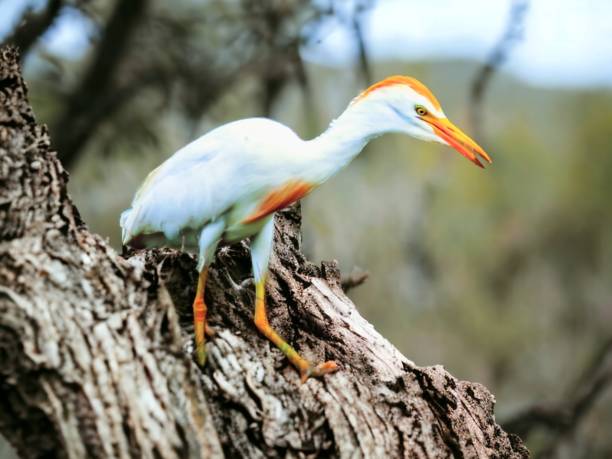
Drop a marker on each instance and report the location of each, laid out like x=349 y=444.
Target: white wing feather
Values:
x=230 y=166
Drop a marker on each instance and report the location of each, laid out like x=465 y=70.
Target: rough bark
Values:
x=94 y=346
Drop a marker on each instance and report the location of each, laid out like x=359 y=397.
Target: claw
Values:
x=210 y=331
x=318 y=370
x=238 y=286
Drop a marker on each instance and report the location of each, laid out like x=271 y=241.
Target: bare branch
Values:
x=77 y=123
x=364 y=62
x=32 y=26
x=355 y=279
x=563 y=417
x=512 y=35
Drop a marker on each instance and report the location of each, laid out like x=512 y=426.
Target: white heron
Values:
x=227 y=184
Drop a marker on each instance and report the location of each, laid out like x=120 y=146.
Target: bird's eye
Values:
x=420 y=110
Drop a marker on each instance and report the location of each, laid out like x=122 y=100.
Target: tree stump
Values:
x=95 y=346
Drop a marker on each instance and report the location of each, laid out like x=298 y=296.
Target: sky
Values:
x=565 y=42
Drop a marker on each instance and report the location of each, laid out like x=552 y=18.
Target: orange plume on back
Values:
x=413 y=83
x=280 y=198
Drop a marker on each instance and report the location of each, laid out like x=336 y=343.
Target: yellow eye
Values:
x=420 y=110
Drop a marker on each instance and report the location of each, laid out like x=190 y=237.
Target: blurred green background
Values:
x=503 y=275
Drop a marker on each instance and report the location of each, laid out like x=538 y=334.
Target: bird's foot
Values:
x=210 y=331
x=200 y=355
x=248 y=282
x=318 y=370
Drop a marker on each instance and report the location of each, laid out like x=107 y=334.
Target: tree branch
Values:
x=96 y=347
x=563 y=417
x=32 y=26
x=499 y=55
x=76 y=125
x=364 y=62
x=355 y=279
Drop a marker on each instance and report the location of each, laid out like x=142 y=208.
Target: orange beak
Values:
x=457 y=139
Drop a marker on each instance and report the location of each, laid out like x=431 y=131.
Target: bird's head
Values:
x=404 y=104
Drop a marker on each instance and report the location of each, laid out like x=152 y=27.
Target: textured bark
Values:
x=94 y=346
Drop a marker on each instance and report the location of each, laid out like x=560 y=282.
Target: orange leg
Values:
x=305 y=368
x=199 y=319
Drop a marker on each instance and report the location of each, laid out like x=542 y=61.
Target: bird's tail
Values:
x=126 y=222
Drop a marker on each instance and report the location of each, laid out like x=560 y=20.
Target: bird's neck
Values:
x=343 y=140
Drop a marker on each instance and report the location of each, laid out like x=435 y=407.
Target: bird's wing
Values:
x=236 y=165
x=189 y=189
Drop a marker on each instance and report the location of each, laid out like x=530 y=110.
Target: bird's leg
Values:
x=209 y=238
x=305 y=368
x=199 y=319
x=260 y=254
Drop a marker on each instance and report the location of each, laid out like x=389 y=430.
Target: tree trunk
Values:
x=95 y=346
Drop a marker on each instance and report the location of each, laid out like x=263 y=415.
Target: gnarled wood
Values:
x=94 y=346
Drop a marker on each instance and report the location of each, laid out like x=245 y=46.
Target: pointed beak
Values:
x=457 y=139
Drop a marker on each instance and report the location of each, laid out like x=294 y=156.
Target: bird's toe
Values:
x=319 y=370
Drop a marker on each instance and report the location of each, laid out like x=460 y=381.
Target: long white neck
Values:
x=343 y=140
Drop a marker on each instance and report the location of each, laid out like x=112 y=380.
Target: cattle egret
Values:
x=228 y=184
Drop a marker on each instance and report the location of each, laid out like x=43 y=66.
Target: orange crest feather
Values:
x=394 y=80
